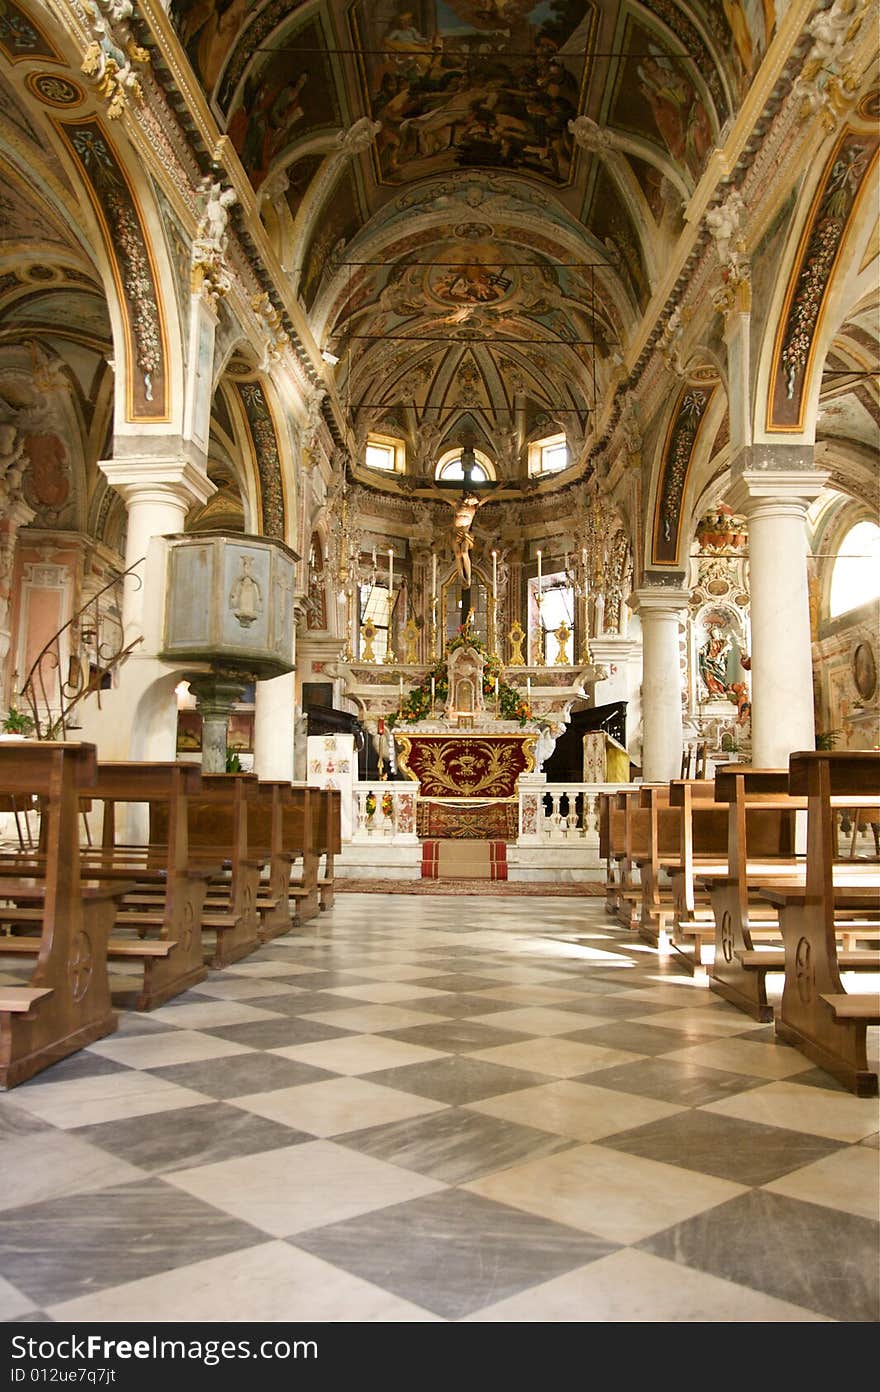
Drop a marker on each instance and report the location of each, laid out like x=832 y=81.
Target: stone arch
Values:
x=691 y=427
x=827 y=257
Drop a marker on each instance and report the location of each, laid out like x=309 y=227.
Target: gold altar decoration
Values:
x=368 y=633
x=516 y=636
x=563 y=633
x=411 y=638
x=466 y=766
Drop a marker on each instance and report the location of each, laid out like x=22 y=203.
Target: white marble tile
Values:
x=13 y=1303
x=272 y=1283
x=67 y=1165
x=574 y=1109
x=561 y=1058
x=336 y=1106
x=848 y=1180
x=387 y=992
x=202 y=1015
x=268 y=969
x=750 y=1057
x=630 y=1287
x=838 y=1115
x=300 y=1187
x=398 y=971
x=107 y=1097
x=539 y=1020
x=620 y=1197
x=693 y=1020
x=371 y=1019
x=243 y=988
x=358 y=1053
x=171 y=1046
x=530 y=995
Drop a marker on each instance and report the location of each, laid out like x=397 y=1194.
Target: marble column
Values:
x=274 y=703
x=158 y=494
x=659 y=608
x=775 y=501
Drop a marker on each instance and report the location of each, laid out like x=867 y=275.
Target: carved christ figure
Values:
x=462 y=541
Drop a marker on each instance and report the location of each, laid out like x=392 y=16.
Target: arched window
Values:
x=449 y=467
x=855 y=579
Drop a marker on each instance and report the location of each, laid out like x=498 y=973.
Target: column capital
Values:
x=756 y=491
x=659 y=599
x=176 y=480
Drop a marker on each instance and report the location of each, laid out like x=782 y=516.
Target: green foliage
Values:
x=828 y=739
x=417 y=706
x=233 y=762
x=17 y=722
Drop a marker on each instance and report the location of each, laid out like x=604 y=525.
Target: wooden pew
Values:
x=285 y=826
x=329 y=841
x=66 y=1003
x=761 y=816
x=817 y=1014
x=164 y=934
x=302 y=835
x=217 y=821
x=684 y=830
x=629 y=831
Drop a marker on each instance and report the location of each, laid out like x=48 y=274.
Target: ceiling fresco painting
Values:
x=465 y=84
x=282 y=100
x=337 y=227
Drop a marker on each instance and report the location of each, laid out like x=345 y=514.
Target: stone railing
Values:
x=385 y=811
x=560 y=813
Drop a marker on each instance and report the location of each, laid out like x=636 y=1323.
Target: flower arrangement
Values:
x=387 y=804
x=371 y=804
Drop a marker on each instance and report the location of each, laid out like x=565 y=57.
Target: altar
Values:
x=467 y=763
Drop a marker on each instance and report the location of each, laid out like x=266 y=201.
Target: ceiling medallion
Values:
x=54 y=90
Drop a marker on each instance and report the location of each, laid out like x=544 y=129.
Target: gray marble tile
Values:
x=305 y=1002
x=633 y=1036
x=14 y=1121
x=243 y=1073
x=489 y=1251
x=804 y=1253
x=460 y=981
x=140 y=1022
x=274 y=1034
x=32 y=1317
x=818 y=1078
x=457 y=1079
x=743 y=1151
x=455 y=1007
x=191 y=1136
x=457 y=1036
x=453 y=1145
x=672 y=1081
x=86 y=1242
x=614 y=1006
x=84 y=1064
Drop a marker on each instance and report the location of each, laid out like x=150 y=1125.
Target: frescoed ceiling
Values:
x=492 y=247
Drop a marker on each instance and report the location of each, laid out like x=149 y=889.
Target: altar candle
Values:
x=496 y=691
x=584 y=557
x=433 y=691
x=391 y=574
x=528 y=691
x=539 y=579
x=433 y=578
x=494 y=573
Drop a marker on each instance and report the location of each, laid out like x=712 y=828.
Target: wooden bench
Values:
x=684 y=830
x=160 y=924
x=217 y=822
x=629 y=832
x=328 y=843
x=817 y=1014
x=746 y=940
x=65 y=1004
x=285 y=825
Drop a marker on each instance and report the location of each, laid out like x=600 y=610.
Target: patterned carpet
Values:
x=518 y=888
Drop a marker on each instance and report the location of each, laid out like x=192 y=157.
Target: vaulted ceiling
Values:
x=487 y=255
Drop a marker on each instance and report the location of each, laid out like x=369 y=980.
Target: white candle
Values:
x=433 y=690
x=391 y=574
x=496 y=688
x=433 y=578
x=494 y=573
x=539 y=579
x=401 y=690
x=584 y=557
x=529 y=690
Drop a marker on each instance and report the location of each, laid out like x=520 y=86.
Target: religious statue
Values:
x=563 y=633
x=713 y=660
x=463 y=542
x=516 y=638
x=245 y=599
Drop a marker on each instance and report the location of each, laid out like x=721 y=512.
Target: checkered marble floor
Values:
x=440 y=1110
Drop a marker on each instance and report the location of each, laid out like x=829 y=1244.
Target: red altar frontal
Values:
x=466 y=765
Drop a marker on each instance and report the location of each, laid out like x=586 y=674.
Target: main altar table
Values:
x=465 y=764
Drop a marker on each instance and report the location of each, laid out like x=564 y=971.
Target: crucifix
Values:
x=465 y=508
